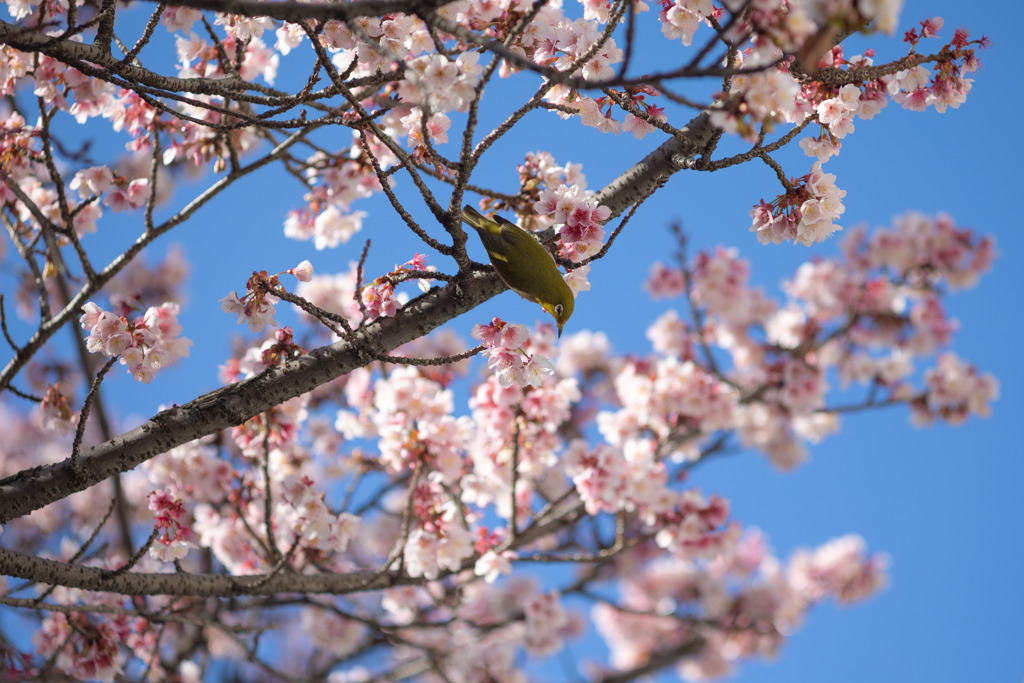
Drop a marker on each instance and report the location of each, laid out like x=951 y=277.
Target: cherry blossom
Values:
x=146 y=345
x=172 y=542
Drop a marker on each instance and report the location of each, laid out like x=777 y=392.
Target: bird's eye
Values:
x=558 y=309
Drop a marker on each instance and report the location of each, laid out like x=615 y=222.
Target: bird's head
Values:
x=561 y=307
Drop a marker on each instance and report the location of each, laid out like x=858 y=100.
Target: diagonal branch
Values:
x=670 y=157
x=233 y=405
x=297 y=12
x=88 y=57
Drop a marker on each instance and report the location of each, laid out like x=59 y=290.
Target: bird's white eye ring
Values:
x=558 y=309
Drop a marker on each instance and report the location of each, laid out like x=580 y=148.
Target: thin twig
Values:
x=76 y=446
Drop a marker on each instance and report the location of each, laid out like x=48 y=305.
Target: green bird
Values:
x=525 y=265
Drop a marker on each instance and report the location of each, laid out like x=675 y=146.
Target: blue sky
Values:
x=944 y=502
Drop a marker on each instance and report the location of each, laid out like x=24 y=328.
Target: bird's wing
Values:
x=522 y=240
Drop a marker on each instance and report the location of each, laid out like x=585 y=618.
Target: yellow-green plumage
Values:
x=523 y=263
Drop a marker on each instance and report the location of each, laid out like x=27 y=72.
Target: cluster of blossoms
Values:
x=608 y=479
x=562 y=43
x=23 y=168
x=225 y=534
x=504 y=348
x=956 y=390
x=302 y=514
x=55 y=413
x=94 y=646
x=328 y=218
x=884 y=294
x=175 y=537
x=538 y=172
x=581 y=217
x=806 y=213
x=778 y=28
x=440 y=540
x=480 y=643
x=303 y=522
x=412 y=417
x=680 y=19
x=669 y=398
x=85 y=98
x=536 y=414
x=917 y=89
x=379 y=297
x=256 y=307
x=190 y=472
x=126 y=195
x=721 y=283
x=85 y=647
x=199 y=58
x=758 y=97
x=145 y=345
x=441 y=84
x=634 y=478
x=431 y=81
x=766 y=601
x=924 y=251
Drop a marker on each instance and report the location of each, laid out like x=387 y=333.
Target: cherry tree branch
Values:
x=101 y=64
x=296 y=12
x=236 y=403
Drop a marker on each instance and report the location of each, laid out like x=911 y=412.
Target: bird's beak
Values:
x=559 y=331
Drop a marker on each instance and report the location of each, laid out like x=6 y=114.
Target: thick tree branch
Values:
x=13 y=563
x=56 y=573
x=671 y=156
x=233 y=405
x=31 y=41
x=88 y=57
x=297 y=12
